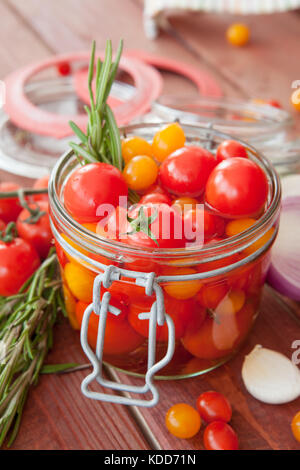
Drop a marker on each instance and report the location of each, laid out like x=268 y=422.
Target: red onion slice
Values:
x=284 y=273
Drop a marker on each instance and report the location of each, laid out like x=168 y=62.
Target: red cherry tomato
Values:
x=41 y=183
x=212 y=293
x=155 y=198
x=220 y=436
x=120 y=337
x=39 y=234
x=213 y=406
x=181 y=312
x=237 y=187
x=2 y=225
x=156 y=188
x=199 y=340
x=18 y=261
x=275 y=104
x=9 y=208
x=116 y=226
x=230 y=149
x=186 y=171
x=167 y=228
x=92 y=187
x=217 y=337
x=201 y=224
x=64 y=69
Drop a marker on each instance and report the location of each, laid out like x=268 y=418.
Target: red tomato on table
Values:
x=41 y=183
x=220 y=436
x=214 y=406
x=9 y=208
x=39 y=234
x=18 y=261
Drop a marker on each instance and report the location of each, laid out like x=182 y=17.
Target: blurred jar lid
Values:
x=267 y=128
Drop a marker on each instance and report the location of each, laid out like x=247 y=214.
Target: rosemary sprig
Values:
x=26 y=324
x=102 y=141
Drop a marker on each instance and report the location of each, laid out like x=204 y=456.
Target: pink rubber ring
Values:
x=27 y=116
x=147 y=81
x=205 y=82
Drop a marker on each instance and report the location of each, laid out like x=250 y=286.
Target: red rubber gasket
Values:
x=148 y=82
x=205 y=82
x=27 y=116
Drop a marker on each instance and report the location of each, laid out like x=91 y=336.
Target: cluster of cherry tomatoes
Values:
x=184 y=421
x=25 y=237
x=171 y=178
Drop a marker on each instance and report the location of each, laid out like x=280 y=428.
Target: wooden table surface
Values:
x=56 y=415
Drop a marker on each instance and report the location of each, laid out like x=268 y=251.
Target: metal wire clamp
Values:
x=157 y=316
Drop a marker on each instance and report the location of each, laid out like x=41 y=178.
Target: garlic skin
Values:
x=271 y=377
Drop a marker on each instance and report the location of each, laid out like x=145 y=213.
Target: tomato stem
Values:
x=35 y=213
x=9 y=234
x=26 y=192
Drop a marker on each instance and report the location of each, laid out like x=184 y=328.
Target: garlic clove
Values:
x=271 y=377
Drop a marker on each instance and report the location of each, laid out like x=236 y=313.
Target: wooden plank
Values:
x=259 y=426
x=58 y=417
x=19 y=42
x=263 y=69
x=87 y=20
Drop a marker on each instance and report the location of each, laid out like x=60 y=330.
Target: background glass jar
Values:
x=211 y=294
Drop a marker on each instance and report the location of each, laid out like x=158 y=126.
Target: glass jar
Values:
x=269 y=129
x=212 y=294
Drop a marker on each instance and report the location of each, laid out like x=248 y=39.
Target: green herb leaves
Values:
x=102 y=142
x=26 y=324
x=142 y=224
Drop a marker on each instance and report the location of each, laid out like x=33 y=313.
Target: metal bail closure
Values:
x=157 y=316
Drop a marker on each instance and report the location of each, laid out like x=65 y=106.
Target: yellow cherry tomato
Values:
x=184 y=204
x=236 y=227
x=296 y=426
x=167 y=140
x=134 y=146
x=181 y=289
x=295 y=99
x=238 y=34
x=70 y=303
x=73 y=245
x=232 y=303
x=140 y=173
x=91 y=227
x=80 y=282
x=183 y=421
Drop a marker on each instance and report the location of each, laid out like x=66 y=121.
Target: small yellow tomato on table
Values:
x=238 y=34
